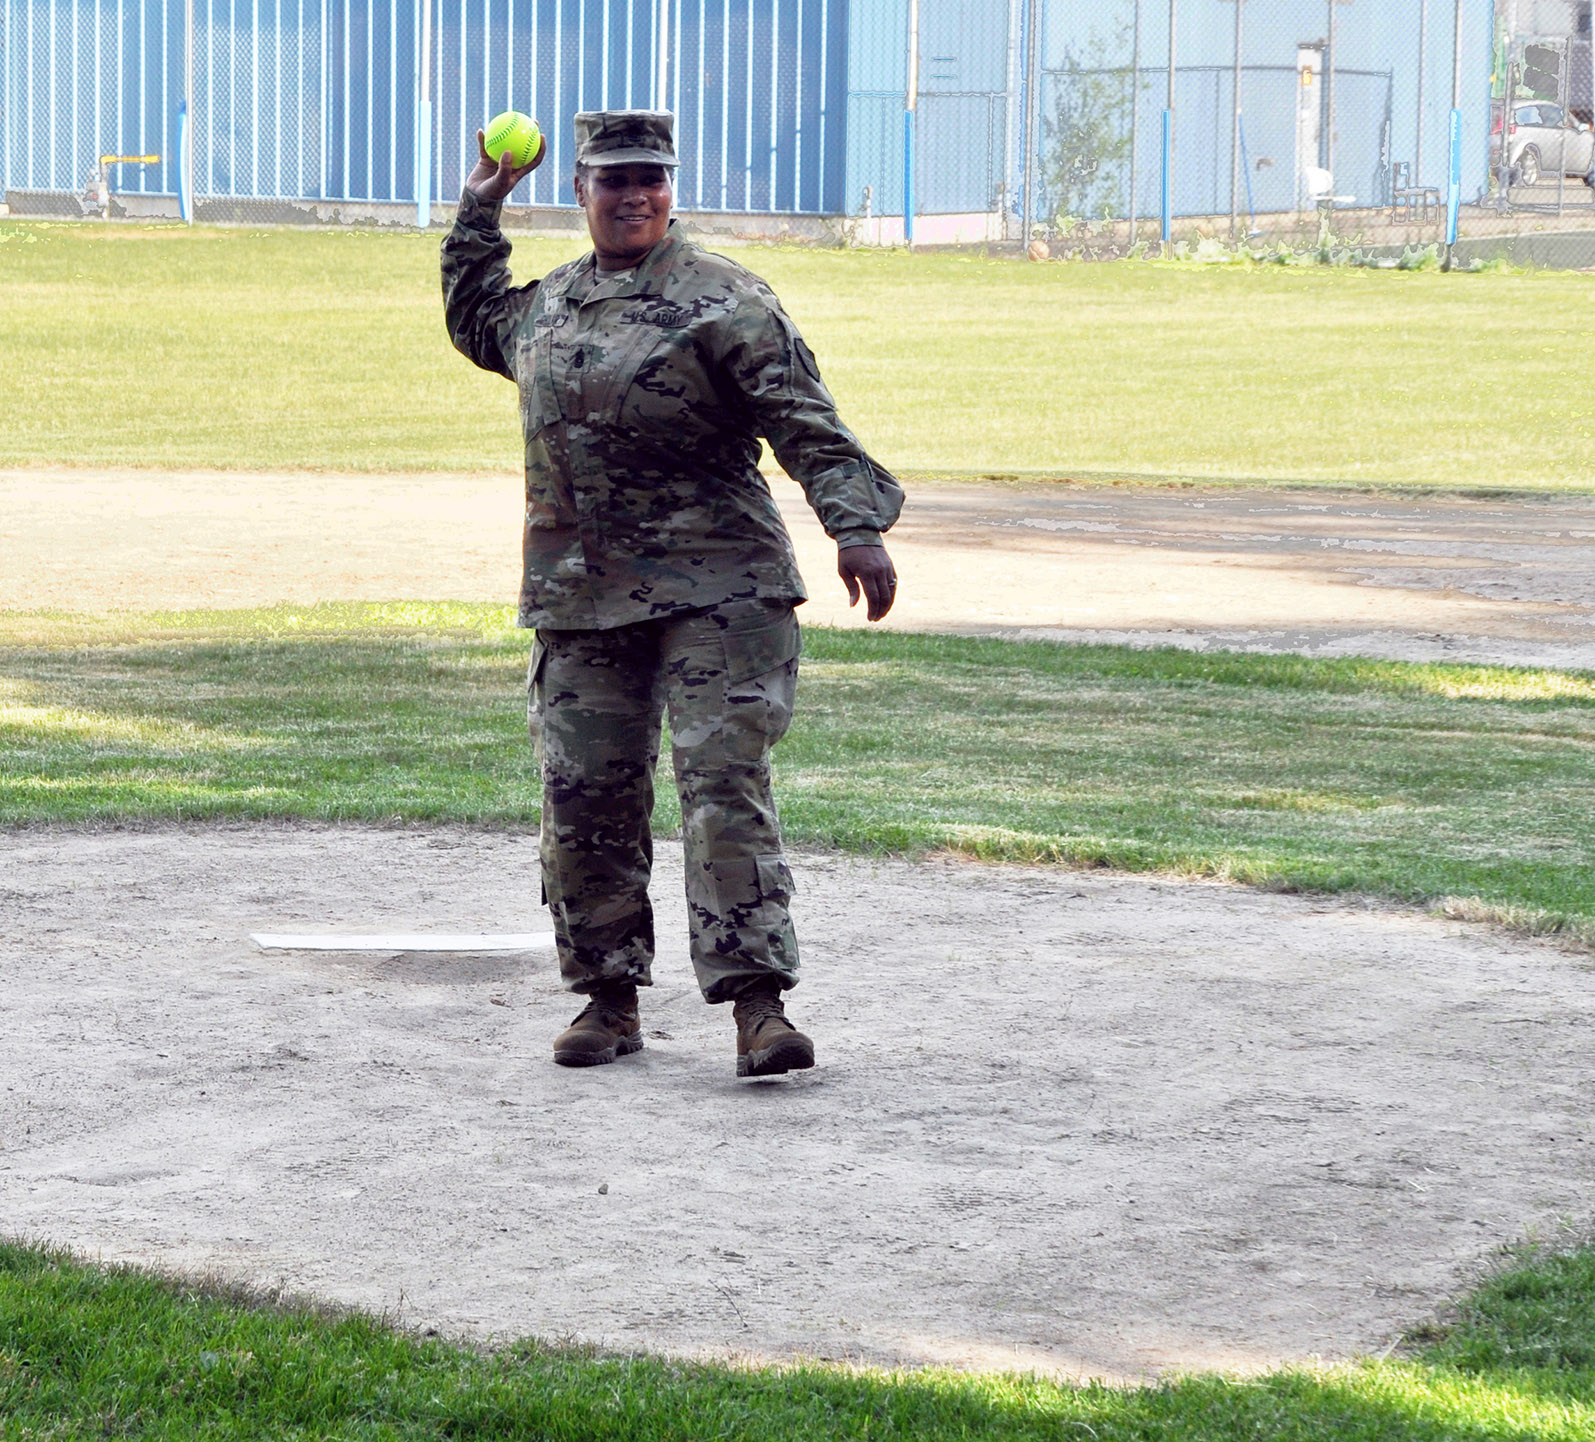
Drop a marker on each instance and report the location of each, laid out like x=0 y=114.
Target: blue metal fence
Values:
x=85 y=78
x=320 y=99
x=1043 y=111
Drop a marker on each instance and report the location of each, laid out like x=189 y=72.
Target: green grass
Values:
x=97 y=1352
x=166 y=346
x=1419 y=782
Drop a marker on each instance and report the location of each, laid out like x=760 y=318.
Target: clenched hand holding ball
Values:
x=516 y=133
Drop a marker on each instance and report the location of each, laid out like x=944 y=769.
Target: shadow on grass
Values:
x=329 y=727
x=1475 y=785
x=87 y=1350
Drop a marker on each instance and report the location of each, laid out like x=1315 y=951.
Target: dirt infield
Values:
x=1327 y=573
x=1083 y=1123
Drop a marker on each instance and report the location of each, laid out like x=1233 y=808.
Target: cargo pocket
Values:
x=534 y=698
x=762 y=643
x=534 y=727
x=552 y=896
x=779 y=940
x=765 y=638
x=775 y=879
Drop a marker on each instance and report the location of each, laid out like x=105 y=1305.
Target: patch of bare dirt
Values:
x=1084 y=1123
x=1320 y=572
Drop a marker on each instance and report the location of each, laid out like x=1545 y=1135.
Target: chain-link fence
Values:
x=1304 y=122
x=1298 y=123
x=348 y=109
x=1091 y=126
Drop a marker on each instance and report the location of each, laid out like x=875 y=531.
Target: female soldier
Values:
x=658 y=573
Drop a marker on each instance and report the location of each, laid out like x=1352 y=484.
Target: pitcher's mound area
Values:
x=1074 y=1122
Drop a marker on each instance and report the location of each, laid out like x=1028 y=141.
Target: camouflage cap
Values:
x=625 y=137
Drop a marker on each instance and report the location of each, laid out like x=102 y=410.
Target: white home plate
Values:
x=404 y=941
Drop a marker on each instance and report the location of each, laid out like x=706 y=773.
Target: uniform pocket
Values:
x=534 y=380
x=605 y=387
x=761 y=639
x=775 y=879
x=534 y=697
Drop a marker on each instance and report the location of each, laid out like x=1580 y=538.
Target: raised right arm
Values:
x=480 y=306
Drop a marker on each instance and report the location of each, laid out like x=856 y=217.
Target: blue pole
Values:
x=1454 y=195
x=423 y=114
x=1246 y=169
x=908 y=177
x=1168 y=171
x=910 y=108
x=1168 y=135
x=423 y=170
x=185 y=196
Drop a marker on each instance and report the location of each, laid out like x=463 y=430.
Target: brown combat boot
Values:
x=607 y=1027
x=767 y=1043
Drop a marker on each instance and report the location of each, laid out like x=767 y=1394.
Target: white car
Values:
x=1544 y=141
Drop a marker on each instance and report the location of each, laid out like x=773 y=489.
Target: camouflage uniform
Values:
x=659 y=575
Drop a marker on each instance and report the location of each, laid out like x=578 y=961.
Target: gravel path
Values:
x=1317 y=571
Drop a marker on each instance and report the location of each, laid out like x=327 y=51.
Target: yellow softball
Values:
x=515 y=133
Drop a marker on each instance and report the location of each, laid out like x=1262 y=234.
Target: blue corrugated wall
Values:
x=316 y=99
x=83 y=78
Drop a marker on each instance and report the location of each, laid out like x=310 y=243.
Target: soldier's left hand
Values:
x=870 y=569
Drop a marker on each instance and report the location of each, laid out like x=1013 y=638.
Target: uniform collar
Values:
x=648 y=275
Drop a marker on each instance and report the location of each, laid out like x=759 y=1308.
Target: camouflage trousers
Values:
x=727 y=677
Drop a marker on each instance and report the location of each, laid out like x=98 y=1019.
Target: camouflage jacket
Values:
x=642 y=402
